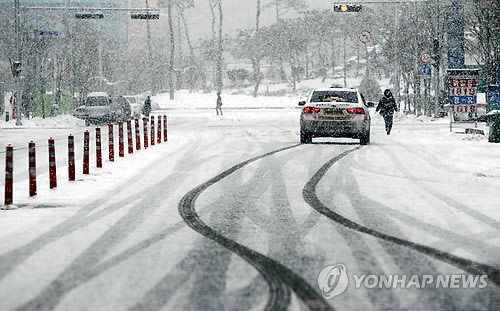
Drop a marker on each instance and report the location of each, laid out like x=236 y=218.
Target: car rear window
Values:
x=131 y=99
x=334 y=96
x=97 y=101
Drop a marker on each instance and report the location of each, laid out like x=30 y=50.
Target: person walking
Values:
x=386 y=107
x=146 y=109
x=218 y=107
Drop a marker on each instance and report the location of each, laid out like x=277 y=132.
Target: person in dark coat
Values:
x=386 y=107
x=146 y=109
x=218 y=107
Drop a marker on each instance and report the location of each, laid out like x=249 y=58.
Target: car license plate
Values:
x=334 y=112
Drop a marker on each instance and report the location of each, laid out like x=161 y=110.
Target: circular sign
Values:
x=365 y=36
x=425 y=58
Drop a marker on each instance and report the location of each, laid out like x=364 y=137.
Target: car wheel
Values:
x=305 y=138
x=87 y=122
x=364 y=139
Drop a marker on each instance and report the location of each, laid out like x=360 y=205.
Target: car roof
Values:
x=335 y=89
x=97 y=94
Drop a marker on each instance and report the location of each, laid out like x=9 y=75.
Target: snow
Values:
x=439 y=142
x=62 y=121
x=441 y=173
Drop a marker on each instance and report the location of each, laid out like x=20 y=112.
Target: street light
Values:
x=17 y=61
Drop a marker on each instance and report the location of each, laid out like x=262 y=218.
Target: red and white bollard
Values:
x=86 y=147
x=145 y=131
x=129 y=137
x=158 y=132
x=98 y=152
x=165 y=128
x=52 y=164
x=121 y=147
x=71 y=158
x=111 y=143
x=152 y=130
x=9 y=175
x=32 y=168
x=137 y=135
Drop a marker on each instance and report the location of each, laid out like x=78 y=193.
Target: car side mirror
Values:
x=370 y=104
x=302 y=103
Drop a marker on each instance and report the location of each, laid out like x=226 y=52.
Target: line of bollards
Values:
x=9 y=159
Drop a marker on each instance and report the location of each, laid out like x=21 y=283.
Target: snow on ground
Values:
x=63 y=121
x=476 y=145
x=457 y=152
x=279 y=95
x=411 y=178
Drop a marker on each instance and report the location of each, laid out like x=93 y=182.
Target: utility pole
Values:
x=100 y=50
x=396 y=56
x=436 y=58
x=345 y=61
x=17 y=77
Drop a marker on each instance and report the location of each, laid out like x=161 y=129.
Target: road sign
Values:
x=145 y=15
x=425 y=69
x=89 y=15
x=365 y=36
x=48 y=33
x=425 y=58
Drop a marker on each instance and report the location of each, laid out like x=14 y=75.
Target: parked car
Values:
x=98 y=108
x=121 y=108
x=80 y=113
x=135 y=105
x=335 y=112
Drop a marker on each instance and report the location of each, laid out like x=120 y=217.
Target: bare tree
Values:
x=186 y=30
x=213 y=5
x=172 y=51
x=483 y=22
x=150 y=53
x=256 y=62
x=220 y=51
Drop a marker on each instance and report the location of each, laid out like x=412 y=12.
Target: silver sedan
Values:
x=335 y=112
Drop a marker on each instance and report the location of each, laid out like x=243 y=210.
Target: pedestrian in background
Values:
x=218 y=107
x=146 y=109
x=387 y=107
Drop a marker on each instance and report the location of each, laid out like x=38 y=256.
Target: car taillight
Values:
x=311 y=109
x=356 y=110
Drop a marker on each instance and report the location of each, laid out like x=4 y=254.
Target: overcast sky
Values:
x=237 y=14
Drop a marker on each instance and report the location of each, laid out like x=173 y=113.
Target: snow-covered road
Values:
x=268 y=215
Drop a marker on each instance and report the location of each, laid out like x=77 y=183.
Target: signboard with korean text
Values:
x=463 y=89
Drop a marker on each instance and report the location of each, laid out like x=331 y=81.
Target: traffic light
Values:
x=89 y=15
x=16 y=68
x=347 y=7
x=145 y=15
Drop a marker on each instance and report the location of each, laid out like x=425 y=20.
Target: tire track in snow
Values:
x=309 y=194
x=279 y=278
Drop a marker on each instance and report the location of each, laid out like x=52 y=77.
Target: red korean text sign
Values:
x=463 y=87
